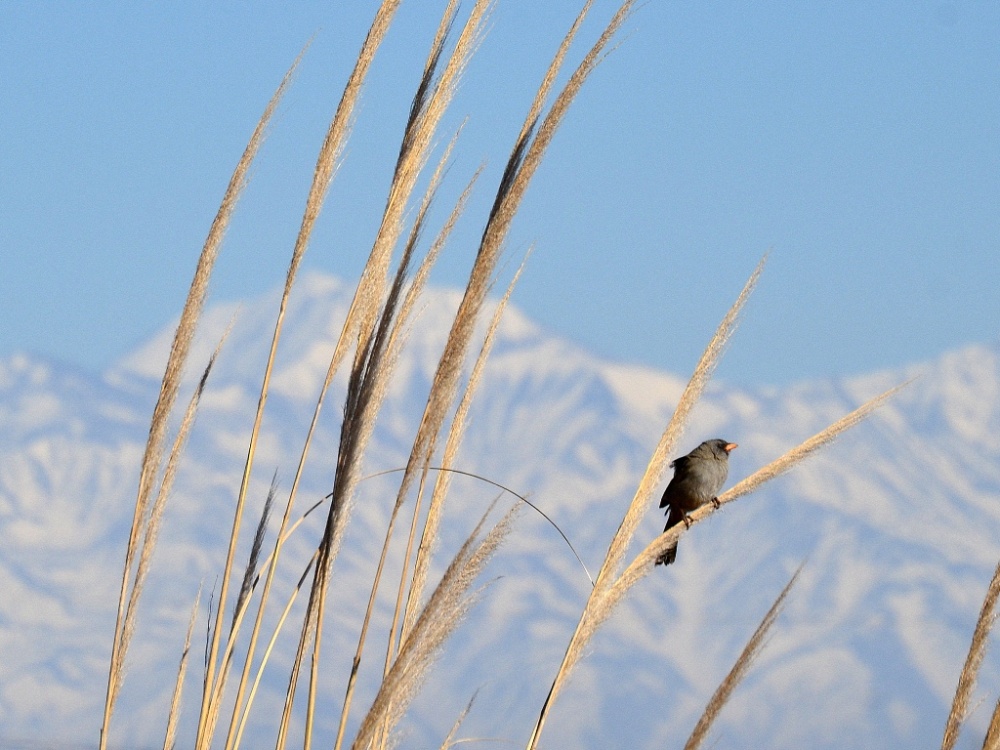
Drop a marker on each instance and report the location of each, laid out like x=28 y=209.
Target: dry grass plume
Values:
x=611 y=589
x=368 y=348
x=179 y=349
x=739 y=670
x=967 y=679
x=174 y=714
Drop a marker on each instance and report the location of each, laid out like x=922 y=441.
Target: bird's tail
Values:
x=675 y=517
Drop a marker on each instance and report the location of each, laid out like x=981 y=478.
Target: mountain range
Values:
x=897 y=524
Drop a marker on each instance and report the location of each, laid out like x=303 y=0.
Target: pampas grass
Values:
x=375 y=329
x=152 y=525
x=992 y=741
x=170 y=385
x=440 y=616
x=368 y=348
x=173 y=716
x=611 y=588
x=967 y=678
x=435 y=511
x=735 y=676
x=325 y=167
x=605 y=594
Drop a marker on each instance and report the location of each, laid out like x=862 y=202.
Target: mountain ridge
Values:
x=898 y=521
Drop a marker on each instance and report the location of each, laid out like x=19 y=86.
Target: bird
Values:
x=698 y=477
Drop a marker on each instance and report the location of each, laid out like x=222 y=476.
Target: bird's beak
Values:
x=730 y=446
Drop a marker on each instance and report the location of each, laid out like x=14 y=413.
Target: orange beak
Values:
x=730 y=446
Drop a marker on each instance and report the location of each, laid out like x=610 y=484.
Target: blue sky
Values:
x=859 y=143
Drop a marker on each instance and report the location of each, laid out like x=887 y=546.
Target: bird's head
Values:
x=721 y=448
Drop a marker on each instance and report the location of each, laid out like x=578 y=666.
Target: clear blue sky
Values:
x=859 y=142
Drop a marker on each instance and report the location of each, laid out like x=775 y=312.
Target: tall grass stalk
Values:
x=250 y=573
x=967 y=679
x=359 y=305
x=152 y=526
x=245 y=715
x=325 y=166
x=521 y=165
x=435 y=510
x=365 y=391
x=407 y=307
x=173 y=715
x=411 y=589
x=598 y=606
x=444 y=610
x=611 y=589
x=992 y=741
x=740 y=669
x=242 y=608
x=179 y=349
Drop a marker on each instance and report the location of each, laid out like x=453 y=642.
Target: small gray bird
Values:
x=698 y=477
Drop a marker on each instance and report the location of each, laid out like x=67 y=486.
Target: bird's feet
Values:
x=687 y=521
x=715 y=502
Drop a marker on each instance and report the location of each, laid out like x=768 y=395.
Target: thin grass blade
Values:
x=740 y=669
x=604 y=596
x=173 y=716
x=967 y=679
x=326 y=162
x=179 y=350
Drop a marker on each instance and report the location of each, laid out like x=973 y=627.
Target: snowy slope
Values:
x=899 y=522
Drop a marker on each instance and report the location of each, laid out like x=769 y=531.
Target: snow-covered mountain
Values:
x=899 y=522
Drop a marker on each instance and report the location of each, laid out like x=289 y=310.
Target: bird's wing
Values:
x=677 y=465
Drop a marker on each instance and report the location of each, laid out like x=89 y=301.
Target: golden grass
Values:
x=250 y=571
x=436 y=508
x=173 y=716
x=325 y=167
x=430 y=102
x=445 y=382
x=967 y=679
x=739 y=670
x=152 y=525
x=406 y=309
x=321 y=175
x=605 y=595
x=444 y=610
x=992 y=741
x=611 y=589
x=269 y=649
x=431 y=99
x=366 y=388
x=410 y=589
x=375 y=330
x=179 y=349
